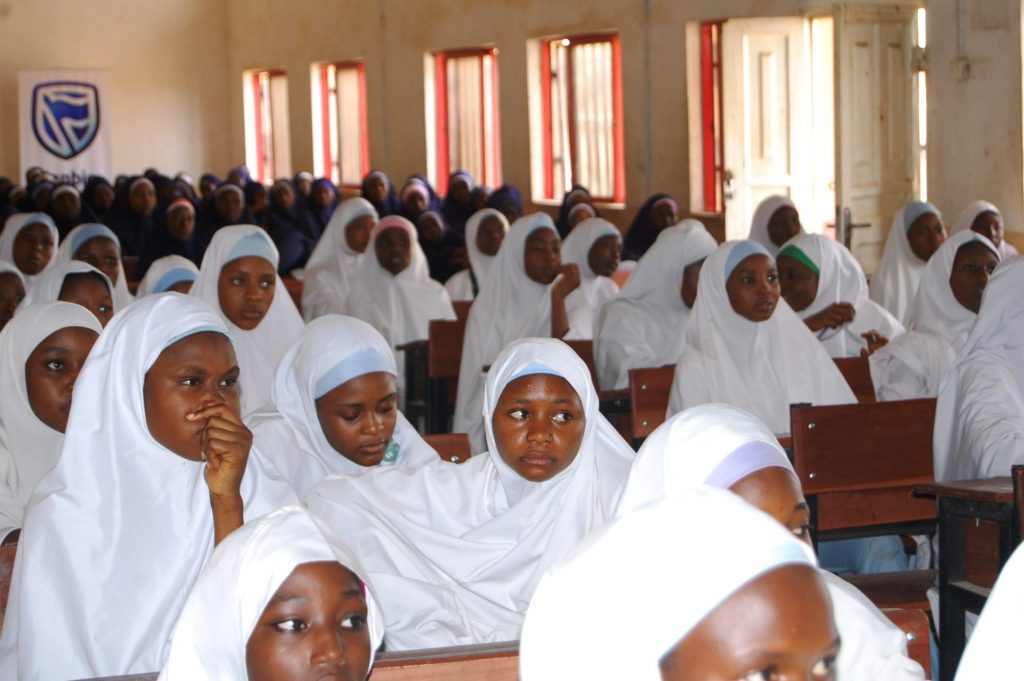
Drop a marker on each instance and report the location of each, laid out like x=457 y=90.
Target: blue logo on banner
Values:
x=65 y=116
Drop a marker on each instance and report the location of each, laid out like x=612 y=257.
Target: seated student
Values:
x=239 y=280
x=456 y=207
x=506 y=199
x=227 y=208
x=303 y=183
x=748 y=350
x=725 y=447
x=277 y=601
x=156 y=468
x=577 y=196
x=169 y=273
x=132 y=215
x=758 y=611
x=916 y=233
x=826 y=287
x=595 y=247
x=41 y=353
x=979 y=418
x=455 y=551
x=525 y=297
x=98 y=196
x=658 y=212
x=76 y=282
x=485 y=231
x=439 y=243
x=257 y=198
x=378 y=190
x=945 y=307
x=97 y=245
x=312 y=218
x=395 y=294
x=282 y=211
x=643 y=326
x=985 y=219
x=331 y=269
x=67 y=210
x=775 y=222
x=174 y=233
x=29 y=242
x=12 y=291
x=334 y=408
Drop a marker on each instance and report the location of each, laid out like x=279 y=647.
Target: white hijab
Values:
x=260 y=349
x=330 y=351
x=14 y=225
x=643 y=326
x=28 y=447
x=117 y=533
x=971 y=213
x=455 y=551
x=762 y=216
x=483 y=265
x=761 y=367
x=48 y=284
x=165 y=272
x=91 y=230
x=894 y=284
x=582 y=305
x=510 y=306
x=244 y=573
x=841 y=280
x=9 y=267
x=332 y=267
x=664 y=588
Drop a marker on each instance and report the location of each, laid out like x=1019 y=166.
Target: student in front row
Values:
x=455 y=551
x=156 y=469
x=334 y=407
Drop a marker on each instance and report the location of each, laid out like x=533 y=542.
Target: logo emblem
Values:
x=65 y=116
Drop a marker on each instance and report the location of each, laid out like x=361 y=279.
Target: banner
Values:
x=63 y=122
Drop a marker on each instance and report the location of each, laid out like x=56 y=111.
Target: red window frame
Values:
x=257 y=105
x=711 y=115
x=325 y=115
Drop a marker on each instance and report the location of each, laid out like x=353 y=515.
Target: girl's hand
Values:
x=225 y=445
x=875 y=341
x=567 y=282
x=833 y=316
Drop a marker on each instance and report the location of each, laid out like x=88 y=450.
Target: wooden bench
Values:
x=916 y=625
x=857 y=372
x=452 y=447
x=294 y=288
x=7 y=554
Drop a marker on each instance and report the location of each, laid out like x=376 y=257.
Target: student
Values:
x=775 y=222
x=644 y=325
x=979 y=418
x=227 y=208
x=985 y=219
x=418 y=195
x=747 y=349
x=455 y=551
x=174 y=233
x=41 y=353
x=595 y=247
x=826 y=287
x=239 y=279
x=506 y=199
x=332 y=267
x=156 y=468
x=76 y=282
x=916 y=233
x=97 y=245
x=456 y=206
x=29 y=242
x=311 y=220
x=208 y=183
x=658 y=212
x=303 y=183
x=12 y=291
x=291 y=594
x=131 y=217
x=577 y=196
x=66 y=208
x=334 y=408
x=439 y=243
x=170 y=273
x=727 y=448
x=759 y=610
x=282 y=212
x=485 y=231
x=945 y=307
x=378 y=190
x=257 y=198
x=98 y=196
x=518 y=301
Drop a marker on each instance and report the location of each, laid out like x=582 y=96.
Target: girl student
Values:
x=332 y=267
x=311 y=220
x=915 y=235
x=41 y=353
x=12 y=291
x=775 y=222
x=658 y=212
x=525 y=297
x=334 y=408
x=97 y=245
x=945 y=307
x=132 y=216
x=987 y=220
x=76 y=282
x=156 y=468
x=227 y=208
x=746 y=348
x=378 y=190
x=174 y=233
x=29 y=242
x=644 y=325
x=238 y=278
x=455 y=551
x=595 y=247
x=278 y=601
x=485 y=230
x=826 y=287
x=169 y=273
x=727 y=448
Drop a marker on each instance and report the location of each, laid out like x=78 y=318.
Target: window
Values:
x=922 y=105
x=341 y=150
x=465 y=116
x=267 y=144
x=581 y=110
x=712 y=161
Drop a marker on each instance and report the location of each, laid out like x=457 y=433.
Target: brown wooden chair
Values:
x=585 y=349
x=294 y=288
x=7 y=554
x=648 y=399
x=491 y=661
x=916 y=625
x=1017 y=475
x=432 y=371
x=857 y=372
x=452 y=447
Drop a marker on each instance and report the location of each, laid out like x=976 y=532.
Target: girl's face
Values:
x=753 y=288
x=229 y=206
x=323 y=195
x=458 y=191
x=357 y=233
x=51 y=371
x=206 y=189
x=358 y=417
x=777 y=626
x=90 y=291
x=314 y=627
x=142 y=199
x=538 y=425
x=103 y=197
x=196 y=372
x=430 y=228
x=12 y=292
x=603 y=256
x=691 y=277
x=260 y=200
x=542 y=258
x=415 y=203
x=664 y=216
x=33 y=248
x=67 y=206
x=376 y=190
x=783 y=225
x=925 y=235
x=990 y=225
x=180 y=223
x=103 y=254
x=776 y=491
x=245 y=290
x=303 y=186
x=283 y=195
x=799 y=283
x=490 y=235
x=972 y=267
x=394 y=250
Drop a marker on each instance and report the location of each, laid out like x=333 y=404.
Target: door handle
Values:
x=728 y=185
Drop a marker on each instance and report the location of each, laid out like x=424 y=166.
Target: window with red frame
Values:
x=268 y=151
x=341 y=149
x=711 y=115
x=466 y=116
x=581 y=95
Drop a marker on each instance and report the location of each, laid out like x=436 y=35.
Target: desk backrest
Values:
x=857 y=372
x=648 y=398
x=452 y=447
x=491 y=661
x=444 y=347
x=461 y=308
x=585 y=349
x=7 y=554
x=294 y=288
x=914 y=624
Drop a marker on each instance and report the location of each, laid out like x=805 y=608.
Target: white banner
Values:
x=64 y=126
